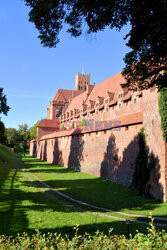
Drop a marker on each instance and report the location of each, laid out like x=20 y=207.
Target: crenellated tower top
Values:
x=82 y=81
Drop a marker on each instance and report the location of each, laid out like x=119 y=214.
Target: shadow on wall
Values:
x=41 y=155
x=57 y=154
x=115 y=169
x=122 y=171
x=153 y=187
x=45 y=151
x=34 y=150
x=76 y=152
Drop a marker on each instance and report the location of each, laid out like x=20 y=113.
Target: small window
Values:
x=105 y=131
x=96 y=133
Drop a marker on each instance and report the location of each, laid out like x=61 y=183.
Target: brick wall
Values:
x=111 y=154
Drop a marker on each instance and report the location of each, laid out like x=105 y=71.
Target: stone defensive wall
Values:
x=108 y=149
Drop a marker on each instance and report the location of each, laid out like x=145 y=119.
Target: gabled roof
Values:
x=111 y=84
x=65 y=94
x=49 y=123
x=76 y=103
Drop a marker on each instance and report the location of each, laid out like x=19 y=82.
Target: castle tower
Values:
x=82 y=81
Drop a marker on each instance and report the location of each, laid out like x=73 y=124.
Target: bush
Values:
x=83 y=124
x=152 y=240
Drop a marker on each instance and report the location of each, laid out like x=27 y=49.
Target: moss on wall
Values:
x=163 y=111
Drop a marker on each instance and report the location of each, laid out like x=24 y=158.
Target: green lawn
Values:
x=23 y=207
x=26 y=205
x=94 y=190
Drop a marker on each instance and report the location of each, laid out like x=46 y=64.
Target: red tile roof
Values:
x=134 y=118
x=101 y=106
x=111 y=84
x=65 y=94
x=49 y=123
x=127 y=96
x=113 y=102
x=76 y=103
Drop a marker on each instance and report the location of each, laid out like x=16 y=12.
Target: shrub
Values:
x=152 y=240
x=144 y=163
x=73 y=125
x=83 y=124
x=63 y=128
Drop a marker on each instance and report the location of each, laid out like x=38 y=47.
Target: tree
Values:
x=4 y=108
x=23 y=135
x=147 y=60
x=2 y=132
x=11 y=136
x=33 y=131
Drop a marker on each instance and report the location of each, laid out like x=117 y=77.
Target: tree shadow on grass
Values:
x=14 y=218
x=119 y=228
x=10 y=217
x=109 y=195
x=44 y=202
x=95 y=190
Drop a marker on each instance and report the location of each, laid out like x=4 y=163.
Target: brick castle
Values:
x=94 y=129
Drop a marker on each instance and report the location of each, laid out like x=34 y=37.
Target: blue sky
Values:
x=31 y=74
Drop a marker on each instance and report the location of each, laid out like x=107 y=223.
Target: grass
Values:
x=94 y=190
x=24 y=208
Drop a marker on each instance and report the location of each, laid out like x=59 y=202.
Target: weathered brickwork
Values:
x=108 y=152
